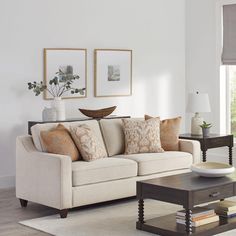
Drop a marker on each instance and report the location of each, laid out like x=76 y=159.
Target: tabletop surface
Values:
x=201 y=136
x=190 y=181
x=79 y=119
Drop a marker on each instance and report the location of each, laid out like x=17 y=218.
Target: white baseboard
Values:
x=7 y=181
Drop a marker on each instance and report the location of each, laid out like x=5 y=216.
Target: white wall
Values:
x=203 y=53
x=154 y=29
x=202 y=69
x=203 y=60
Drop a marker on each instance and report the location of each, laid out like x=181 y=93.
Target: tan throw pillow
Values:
x=169 y=132
x=59 y=141
x=87 y=143
x=142 y=136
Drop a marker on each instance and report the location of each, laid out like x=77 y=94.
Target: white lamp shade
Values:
x=198 y=102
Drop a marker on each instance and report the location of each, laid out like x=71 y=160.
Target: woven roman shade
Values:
x=229 y=35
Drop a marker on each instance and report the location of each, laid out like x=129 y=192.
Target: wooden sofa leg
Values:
x=23 y=202
x=63 y=213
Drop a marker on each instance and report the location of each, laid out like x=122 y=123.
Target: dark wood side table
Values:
x=187 y=190
x=212 y=141
x=34 y=122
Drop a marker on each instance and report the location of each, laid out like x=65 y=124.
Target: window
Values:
x=231 y=98
x=228 y=70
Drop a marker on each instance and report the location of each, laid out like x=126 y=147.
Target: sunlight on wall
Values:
x=223 y=102
x=156 y=89
x=158 y=58
x=164 y=94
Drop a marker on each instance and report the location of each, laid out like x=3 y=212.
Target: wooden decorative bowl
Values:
x=100 y=113
x=212 y=169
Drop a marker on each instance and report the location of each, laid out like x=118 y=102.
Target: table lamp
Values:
x=197 y=102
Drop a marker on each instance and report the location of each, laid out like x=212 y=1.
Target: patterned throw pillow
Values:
x=59 y=141
x=142 y=136
x=169 y=132
x=88 y=144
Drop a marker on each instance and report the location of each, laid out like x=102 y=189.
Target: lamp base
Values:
x=195 y=124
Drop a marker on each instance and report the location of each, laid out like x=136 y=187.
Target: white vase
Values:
x=59 y=105
x=49 y=114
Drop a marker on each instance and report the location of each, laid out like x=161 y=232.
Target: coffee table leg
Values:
x=230 y=156
x=188 y=221
x=141 y=211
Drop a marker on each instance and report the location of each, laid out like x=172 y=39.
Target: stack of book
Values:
x=200 y=216
x=224 y=208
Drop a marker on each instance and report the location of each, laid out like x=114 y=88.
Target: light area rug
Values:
x=117 y=219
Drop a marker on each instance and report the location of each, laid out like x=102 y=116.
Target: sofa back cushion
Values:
x=36 y=129
x=113 y=135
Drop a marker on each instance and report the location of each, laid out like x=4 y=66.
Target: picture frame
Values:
x=64 y=58
x=112 y=72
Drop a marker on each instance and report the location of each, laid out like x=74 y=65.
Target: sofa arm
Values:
x=192 y=147
x=42 y=177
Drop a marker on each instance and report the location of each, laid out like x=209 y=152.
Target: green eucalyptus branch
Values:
x=75 y=90
x=60 y=84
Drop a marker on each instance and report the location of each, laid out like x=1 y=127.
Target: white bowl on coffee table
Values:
x=212 y=169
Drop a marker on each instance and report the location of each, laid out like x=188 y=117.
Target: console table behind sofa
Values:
x=33 y=122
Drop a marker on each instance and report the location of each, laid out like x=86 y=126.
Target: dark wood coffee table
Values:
x=187 y=190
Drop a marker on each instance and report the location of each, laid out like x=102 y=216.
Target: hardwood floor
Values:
x=11 y=213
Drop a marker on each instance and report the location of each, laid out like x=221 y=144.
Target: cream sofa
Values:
x=55 y=181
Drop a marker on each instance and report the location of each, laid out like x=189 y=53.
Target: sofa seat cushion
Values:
x=151 y=163
x=102 y=170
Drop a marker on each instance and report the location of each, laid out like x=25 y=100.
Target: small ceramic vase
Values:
x=49 y=114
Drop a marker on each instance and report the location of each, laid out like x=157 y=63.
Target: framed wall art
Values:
x=112 y=72
x=70 y=61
